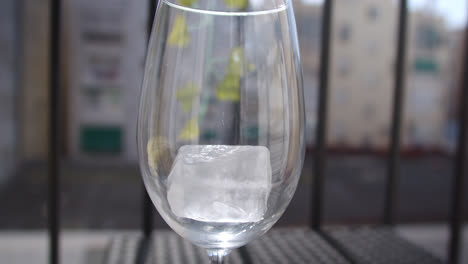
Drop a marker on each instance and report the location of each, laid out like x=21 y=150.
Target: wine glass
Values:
x=221 y=118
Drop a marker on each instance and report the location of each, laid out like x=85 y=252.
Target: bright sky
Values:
x=454 y=11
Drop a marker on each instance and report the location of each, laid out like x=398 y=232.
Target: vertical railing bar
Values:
x=394 y=155
x=147 y=204
x=456 y=217
x=54 y=79
x=147 y=215
x=320 y=145
x=18 y=66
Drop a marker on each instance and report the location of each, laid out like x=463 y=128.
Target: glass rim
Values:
x=229 y=12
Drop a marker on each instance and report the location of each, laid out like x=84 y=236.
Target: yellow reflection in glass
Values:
x=228 y=89
x=191 y=130
x=186 y=94
x=155 y=148
x=187 y=3
x=236 y=62
x=239 y=4
x=179 y=35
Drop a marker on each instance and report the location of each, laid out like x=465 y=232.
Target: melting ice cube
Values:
x=219 y=183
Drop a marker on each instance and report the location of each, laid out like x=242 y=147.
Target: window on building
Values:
x=371 y=79
x=426 y=65
x=345 y=33
x=366 y=142
x=341 y=95
x=344 y=67
x=372 y=13
x=428 y=37
x=339 y=130
x=384 y=131
x=368 y=111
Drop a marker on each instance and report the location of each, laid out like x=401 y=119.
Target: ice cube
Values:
x=219 y=183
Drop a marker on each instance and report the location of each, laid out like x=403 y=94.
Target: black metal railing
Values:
x=320 y=146
x=456 y=218
x=54 y=140
x=147 y=205
x=394 y=156
x=321 y=137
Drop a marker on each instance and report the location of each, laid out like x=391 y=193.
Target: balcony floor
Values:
x=89 y=247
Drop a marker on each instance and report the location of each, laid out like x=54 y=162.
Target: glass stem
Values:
x=217 y=256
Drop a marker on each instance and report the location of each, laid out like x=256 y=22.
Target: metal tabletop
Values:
x=295 y=246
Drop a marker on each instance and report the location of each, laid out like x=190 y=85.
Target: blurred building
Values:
x=103 y=56
x=429 y=80
x=456 y=64
x=103 y=49
x=8 y=82
x=105 y=53
x=33 y=100
x=309 y=21
x=456 y=67
x=361 y=79
x=362 y=73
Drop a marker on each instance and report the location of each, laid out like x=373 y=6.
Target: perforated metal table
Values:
x=343 y=246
